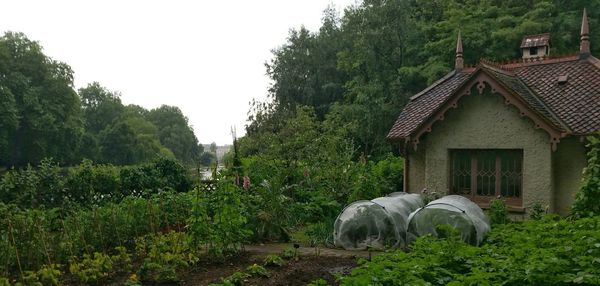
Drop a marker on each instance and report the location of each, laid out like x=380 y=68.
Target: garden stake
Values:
x=151 y=216
x=16 y=250
x=114 y=219
x=135 y=229
x=97 y=223
x=66 y=233
x=80 y=229
x=43 y=237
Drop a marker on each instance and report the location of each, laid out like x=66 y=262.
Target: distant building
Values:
x=513 y=130
x=221 y=151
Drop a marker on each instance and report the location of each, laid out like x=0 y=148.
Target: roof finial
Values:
x=584 y=48
x=459 y=62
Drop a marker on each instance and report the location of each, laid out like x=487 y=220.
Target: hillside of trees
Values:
x=317 y=145
x=43 y=116
x=361 y=68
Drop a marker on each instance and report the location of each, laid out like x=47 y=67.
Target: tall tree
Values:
x=45 y=104
x=175 y=133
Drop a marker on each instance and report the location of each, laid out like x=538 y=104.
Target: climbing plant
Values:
x=587 y=202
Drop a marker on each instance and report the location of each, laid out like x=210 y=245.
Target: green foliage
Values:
x=165 y=256
x=321 y=233
x=537 y=211
x=92 y=269
x=42 y=116
x=273 y=260
x=587 y=201
x=55 y=235
x=366 y=65
x=89 y=184
x=551 y=251
x=318 y=282
x=218 y=219
x=49 y=274
x=175 y=133
x=288 y=253
x=41 y=109
x=235 y=279
x=256 y=270
x=498 y=212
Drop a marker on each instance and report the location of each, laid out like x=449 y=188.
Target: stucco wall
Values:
x=568 y=162
x=485 y=122
x=416 y=170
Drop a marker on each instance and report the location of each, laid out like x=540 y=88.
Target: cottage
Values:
x=514 y=130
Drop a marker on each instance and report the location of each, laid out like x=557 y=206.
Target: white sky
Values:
x=206 y=57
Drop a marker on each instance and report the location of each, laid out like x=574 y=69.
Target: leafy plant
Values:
x=551 y=251
x=122 y=259
x=49 y=274
x=218 y=219
x=537 y=211
x=256 y=270
x=273 y=260
x=235 y=279
x=587 y=201
x=320 y=233
x=133 y=280
x=165 y=256
x=92 y=269
x=498 y=212
x=288 y=253
x=318 y=282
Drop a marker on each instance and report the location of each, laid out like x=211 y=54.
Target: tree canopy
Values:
x=41 y=115
x=365 y=65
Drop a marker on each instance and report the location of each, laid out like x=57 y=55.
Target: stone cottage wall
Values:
x=485 y=122
x=568 y=162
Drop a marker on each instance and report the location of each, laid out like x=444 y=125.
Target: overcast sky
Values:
x=206 y=57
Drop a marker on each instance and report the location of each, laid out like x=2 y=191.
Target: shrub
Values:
x=165 y=256
x=92 y=269
x=498 y=212
x=587 y=201
x=537 y=211
x=551 y=251
x=235 y=279
x=321 y=233
x=218 y=218
x=273 y=260
x=256 y=270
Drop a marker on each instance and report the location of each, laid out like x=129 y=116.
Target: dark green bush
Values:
x=551 y=251
x=56 y=235
x=587 y=202
x=89 y=184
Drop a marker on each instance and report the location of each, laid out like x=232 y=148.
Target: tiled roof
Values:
x=572 y=106
x=426 y=103
x=513 y=82
x=535 y=41
x=577 y=101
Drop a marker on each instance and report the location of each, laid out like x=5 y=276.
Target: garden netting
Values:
x=456 y=211
x=378 y=223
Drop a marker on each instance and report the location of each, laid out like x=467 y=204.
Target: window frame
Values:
x=498 y=172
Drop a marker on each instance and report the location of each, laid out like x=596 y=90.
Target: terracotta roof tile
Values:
x=426 y=103
x=572 y=106
x=577 y=101
x=535 y=40
x=514 y=83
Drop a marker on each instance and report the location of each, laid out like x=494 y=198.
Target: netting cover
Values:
x=456 y=211
x=378 y=223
